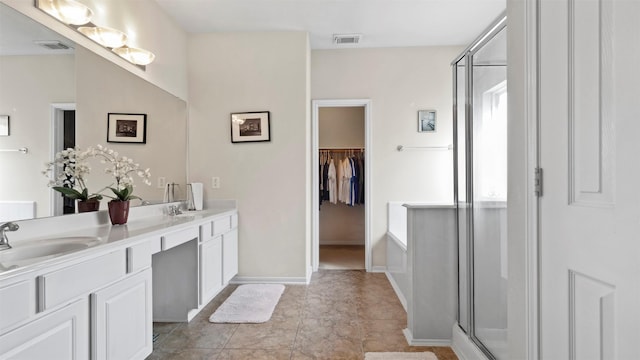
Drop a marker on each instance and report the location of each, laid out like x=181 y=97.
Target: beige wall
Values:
x=30 y=84
x=341 y=127
x=165 y=149
x=148 y=27
x=237 y=72
x=399 y=82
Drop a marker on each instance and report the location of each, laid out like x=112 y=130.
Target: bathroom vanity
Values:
x=93 y=292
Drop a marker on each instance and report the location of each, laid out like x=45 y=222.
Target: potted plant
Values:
x=67 y=174
x=122 y=169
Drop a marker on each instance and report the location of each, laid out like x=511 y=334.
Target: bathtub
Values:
x=17 y=210
x=397 y=250
x=422 y=268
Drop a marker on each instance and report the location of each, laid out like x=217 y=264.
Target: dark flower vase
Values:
x=88 y=205
x=118 y=212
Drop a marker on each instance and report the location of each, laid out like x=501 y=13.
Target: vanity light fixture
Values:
x=135 y=55
x=75 y=14
x=68 y=11
x=105 y=36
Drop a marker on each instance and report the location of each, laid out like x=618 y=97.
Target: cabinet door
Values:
x=122 y=319
x=229 y=255
x=210 y=269
x=62 y=334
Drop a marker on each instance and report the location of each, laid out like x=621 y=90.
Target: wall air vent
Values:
x=346 y=39
x=52 y=44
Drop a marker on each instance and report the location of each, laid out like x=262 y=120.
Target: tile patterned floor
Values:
x=340 y=315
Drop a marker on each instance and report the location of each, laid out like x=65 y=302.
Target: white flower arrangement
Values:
x=122 y=169
x=74 y=167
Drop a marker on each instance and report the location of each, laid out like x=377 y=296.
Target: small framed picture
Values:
x=127 y=128
x=427 y=121
x=4 y=125
x=250 y=127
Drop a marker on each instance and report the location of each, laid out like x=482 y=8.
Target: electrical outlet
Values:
x=162 y=182
x=215 y=182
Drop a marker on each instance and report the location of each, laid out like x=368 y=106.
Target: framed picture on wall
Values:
x=427 y=121
x=250 y=127
x=127 y=128
x=4 y=125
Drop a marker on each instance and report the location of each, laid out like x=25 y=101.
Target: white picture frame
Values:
x=427 y=121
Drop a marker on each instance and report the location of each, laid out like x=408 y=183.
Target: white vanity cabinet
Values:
x=218 y=255
x=122 y=324
x=97 y=292
x=101 y=304
x=60 y=334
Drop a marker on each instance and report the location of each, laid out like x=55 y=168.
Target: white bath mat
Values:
x=400 y=356
x=252 y=303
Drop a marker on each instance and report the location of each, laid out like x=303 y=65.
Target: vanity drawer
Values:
x=63 y=285
x=176 y=238
x=139 y=256
x=234 y=221
x=18 y=303
x=206 y=232
x=221 y=225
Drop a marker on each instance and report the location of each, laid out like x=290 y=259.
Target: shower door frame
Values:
x=466 y=56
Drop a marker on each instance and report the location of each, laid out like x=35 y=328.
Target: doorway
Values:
x=342 y=156
x=351 y=249
x=63 y=125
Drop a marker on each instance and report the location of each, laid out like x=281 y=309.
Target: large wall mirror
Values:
x=57 y=94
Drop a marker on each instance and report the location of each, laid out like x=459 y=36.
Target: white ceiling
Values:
x=382 y=23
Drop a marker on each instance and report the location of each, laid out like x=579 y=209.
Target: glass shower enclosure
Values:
x=480 y=132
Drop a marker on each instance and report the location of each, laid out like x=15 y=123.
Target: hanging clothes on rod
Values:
x=342 y=176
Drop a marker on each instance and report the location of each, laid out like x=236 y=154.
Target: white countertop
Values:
x=149 y=221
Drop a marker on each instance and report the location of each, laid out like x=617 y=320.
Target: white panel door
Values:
x=62 y=334
x=122 y=319
x=210 y=269
x=229 y=255
x=590 y=208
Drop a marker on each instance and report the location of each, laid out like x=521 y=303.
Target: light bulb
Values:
x=136 y=55
x=105 y=36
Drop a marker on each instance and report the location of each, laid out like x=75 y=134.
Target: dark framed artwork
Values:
x=127 y=128
x=250 y=127
x=4 y=125
x=427 y=121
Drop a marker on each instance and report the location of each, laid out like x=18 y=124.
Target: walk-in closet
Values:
x=342 y=191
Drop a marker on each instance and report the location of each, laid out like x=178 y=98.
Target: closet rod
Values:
x=338 y=149
x=447 y=147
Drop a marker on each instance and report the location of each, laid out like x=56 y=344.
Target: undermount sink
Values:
x=30 y=251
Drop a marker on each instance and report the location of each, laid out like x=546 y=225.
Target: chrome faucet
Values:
x=174 y=210
x=4 y=241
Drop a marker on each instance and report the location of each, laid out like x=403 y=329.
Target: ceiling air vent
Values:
x=347 y=39
x=52 y=44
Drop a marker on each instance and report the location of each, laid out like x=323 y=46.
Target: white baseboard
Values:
x=464 y=348
x=396 y=288
x=378 y=269
x=239 y=280
x=424 y=342
x=309 y=274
